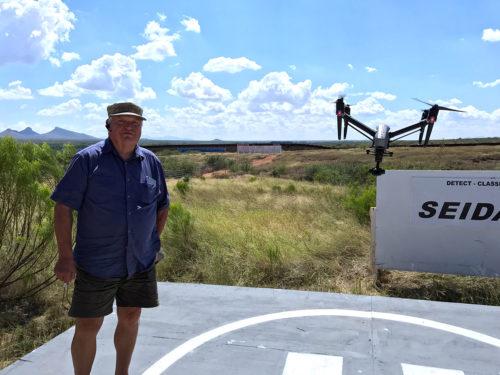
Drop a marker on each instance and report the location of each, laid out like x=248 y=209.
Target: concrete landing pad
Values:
x=206 y=329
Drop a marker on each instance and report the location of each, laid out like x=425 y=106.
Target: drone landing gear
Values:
x=379 y=155
x=377 y=171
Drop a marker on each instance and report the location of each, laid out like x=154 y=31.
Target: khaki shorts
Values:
x=93 y=297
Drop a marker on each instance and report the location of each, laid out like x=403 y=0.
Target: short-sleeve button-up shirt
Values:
x=117 y=203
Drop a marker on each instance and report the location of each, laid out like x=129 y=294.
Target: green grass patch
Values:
x=339 y=174
x=261 y=234
x=360 y=199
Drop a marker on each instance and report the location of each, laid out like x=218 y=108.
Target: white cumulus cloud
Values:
x=162 y=17
x=95 y=112
x=197 y=86
x=31 y=30
x=70 y=56
x=369 y=106
x=382 y=95
x=375 y=94
x=274 y=92
x=370 y=69
x=109 y=76
x=230 y=65
x=55 y=61
x=70 y=107
x=397 y=119
x=491 y=35
x=350 y=66
x=15 y=91
x=453 y=102
x=159 y=45
x=331 y=92
x=487 y=84
x=191 y=24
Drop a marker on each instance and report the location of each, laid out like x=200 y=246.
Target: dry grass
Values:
x=253 y=232
x=31 y=323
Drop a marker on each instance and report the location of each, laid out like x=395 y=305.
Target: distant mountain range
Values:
x=60 y=134
x=56 y=134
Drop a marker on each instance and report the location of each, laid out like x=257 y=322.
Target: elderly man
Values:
x=119 y=191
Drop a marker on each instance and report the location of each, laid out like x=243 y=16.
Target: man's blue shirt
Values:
x=117 y=203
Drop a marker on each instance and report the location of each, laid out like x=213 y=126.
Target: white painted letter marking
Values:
x=423 y=370
x=317 y=364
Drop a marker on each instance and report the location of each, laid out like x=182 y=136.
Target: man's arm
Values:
x=161 y=220
x=63 y=221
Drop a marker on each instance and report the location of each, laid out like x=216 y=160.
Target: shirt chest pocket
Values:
x=148 y=191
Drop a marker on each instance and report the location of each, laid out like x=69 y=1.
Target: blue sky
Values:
x=255 y=70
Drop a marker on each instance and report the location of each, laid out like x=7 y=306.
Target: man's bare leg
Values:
x=125 y=337
x=83 y=345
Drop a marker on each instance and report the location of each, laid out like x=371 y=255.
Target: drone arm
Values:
x=359 y=125
x=405 y=135
x=360 y=132
x=407 y=129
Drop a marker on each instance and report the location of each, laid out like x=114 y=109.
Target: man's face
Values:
x=125 y=129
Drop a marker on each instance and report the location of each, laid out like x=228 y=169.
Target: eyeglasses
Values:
x=124 y=124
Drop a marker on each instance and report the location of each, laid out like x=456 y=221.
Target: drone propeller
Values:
x=431 y=116
x=421 y=101
x=438 y=106
x=449 y=109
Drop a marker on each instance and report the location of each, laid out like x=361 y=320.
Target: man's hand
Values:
x=65 y=269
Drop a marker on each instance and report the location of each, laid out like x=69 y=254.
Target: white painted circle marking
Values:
x=170 y=358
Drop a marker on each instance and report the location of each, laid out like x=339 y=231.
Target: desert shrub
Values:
x=179 y=242
x=28 y=173
x=290 y=189
x=182 y=186
x=65 y=155
x=276 y=189
x=359 y=199
x=252 y=179
x=278 y=171
x=218 y=162
x=246 y=166
x=179 y=166
x=241 y=166
x=339 y=174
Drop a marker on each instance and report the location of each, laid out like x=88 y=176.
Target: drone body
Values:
x=382 y=137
